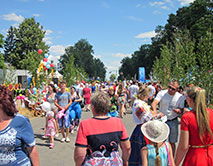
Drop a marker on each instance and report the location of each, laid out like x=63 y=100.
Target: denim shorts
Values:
x=173 y=126
x=64 y=121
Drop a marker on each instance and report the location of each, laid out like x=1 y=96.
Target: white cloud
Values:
x=97 y=56
x=47 y=40
x=134 y=18
x=157 y=12
x=114 y=65
x=165 y=7
x=146 y=35
x=57 y=50
x=13 y=17
x=156 y=3
x=105 y=5
x=170 y=2
x=48 y=31
x=185 y=2
x=53 y=58
x=121 y=55
x=36 y=15
x=138 y=5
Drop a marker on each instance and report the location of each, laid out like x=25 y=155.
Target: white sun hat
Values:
x=155 y=130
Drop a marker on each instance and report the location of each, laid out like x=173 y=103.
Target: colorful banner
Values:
x=141 y=74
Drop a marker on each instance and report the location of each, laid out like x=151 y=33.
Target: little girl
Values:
x=158 y=152
x=51 y=128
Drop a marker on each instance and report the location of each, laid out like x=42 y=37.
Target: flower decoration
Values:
x=10 y=86
x=16 y=87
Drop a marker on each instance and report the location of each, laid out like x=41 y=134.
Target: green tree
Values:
x=22 y=44
x=177 y=60
x=99 y=70
x=112 y=77
x=83 y=59
x=204 y=74
x=2 y=65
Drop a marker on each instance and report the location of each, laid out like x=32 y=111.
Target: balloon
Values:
x=40 y=51
x=51 y=65
x=45 y=59
x=46 y=106
x=22 y=97
x=48 y=62
x=46 y=56
x=45 y=99
x=18 y=97
x=48 y=66
x=44 y=63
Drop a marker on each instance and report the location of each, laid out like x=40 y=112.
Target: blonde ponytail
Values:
x=157 y=159
x=198 y=95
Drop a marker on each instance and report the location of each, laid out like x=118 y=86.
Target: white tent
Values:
x=56 y=75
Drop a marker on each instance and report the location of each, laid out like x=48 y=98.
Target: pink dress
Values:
x=87 y=95
x=50 y=130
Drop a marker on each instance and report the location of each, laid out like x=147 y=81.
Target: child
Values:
x=51 y=128
x=158 y=152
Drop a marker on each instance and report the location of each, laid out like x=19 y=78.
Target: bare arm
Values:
x=79 y=155
x=171 y=155
x=154 y=105
x=33 y=154
x=182 y=146
x=57 y=105
x=126 y=149
x=67 y=106
x=78 y=100
x=144 y=154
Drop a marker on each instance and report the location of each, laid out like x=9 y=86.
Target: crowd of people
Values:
x=156 y=112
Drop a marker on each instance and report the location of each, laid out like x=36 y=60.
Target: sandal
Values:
x=51 y=146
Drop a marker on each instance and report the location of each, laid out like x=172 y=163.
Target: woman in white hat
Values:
x=158 y=152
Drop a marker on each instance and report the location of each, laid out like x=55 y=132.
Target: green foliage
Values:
x=83 y=60
x=2 y=65
x=10 y=75
x=22 y=44
x=182 y=62
x=72 y=73
x=204 y=75
x=112 y=77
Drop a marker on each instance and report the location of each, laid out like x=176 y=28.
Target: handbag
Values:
x=170 y=163
x=98 y=159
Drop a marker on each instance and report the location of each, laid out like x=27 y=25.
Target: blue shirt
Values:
x=162 y=153
x=63 y=99
x=14 y=139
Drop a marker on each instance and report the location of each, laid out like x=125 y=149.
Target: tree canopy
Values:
x=83 y=59
x=22 y=44
x=196 y=18
x=2 y=65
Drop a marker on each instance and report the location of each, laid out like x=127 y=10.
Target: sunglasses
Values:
x=171 y=88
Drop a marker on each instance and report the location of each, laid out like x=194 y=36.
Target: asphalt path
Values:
x=63 y=153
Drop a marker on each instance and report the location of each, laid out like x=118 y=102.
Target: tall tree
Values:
x=22 y=44
x=83 y=59
x=2 y=65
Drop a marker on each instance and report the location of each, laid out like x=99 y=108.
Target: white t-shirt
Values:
x=168 y=103
x=133 y=90
x=152 y=90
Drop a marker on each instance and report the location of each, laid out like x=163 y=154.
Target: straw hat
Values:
x=155 y=130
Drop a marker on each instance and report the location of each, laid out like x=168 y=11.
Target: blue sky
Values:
x=115 y=28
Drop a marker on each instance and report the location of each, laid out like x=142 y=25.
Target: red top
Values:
x=101 y=134
x=197 y=156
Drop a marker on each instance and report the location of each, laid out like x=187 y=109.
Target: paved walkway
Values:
x=62 y=153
